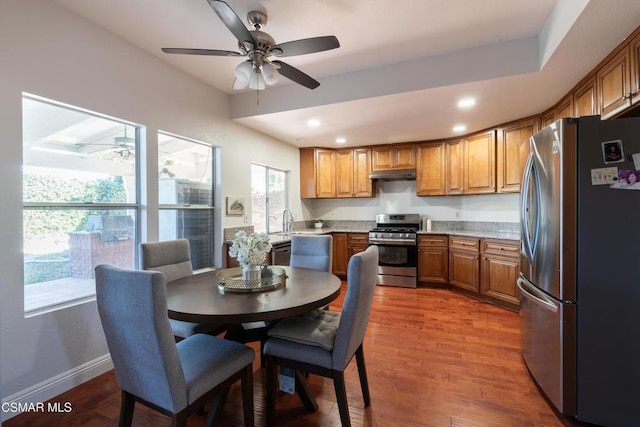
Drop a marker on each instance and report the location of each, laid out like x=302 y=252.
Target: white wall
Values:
x=47 y=51
x=400 y=197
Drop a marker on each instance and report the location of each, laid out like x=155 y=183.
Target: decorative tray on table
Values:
x=230 y=280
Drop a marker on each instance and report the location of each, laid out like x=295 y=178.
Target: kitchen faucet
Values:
x=287 y=222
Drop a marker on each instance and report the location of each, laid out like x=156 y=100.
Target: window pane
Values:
x=268 y=197
x=259 y=201
x=196 y=225
x=277 y=196
x=186 y=178
x=74 y=157
x=62 y=247
x=184 y=161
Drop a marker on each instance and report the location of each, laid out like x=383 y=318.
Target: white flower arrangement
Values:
x=250 y=249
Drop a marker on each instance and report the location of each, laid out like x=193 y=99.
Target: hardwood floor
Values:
x=434 y=358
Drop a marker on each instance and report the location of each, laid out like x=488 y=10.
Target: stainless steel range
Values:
x=396 y=238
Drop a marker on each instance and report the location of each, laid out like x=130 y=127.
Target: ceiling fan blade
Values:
x=209 y=52
x=304 y=46
x=296 y=75
x=231 y=20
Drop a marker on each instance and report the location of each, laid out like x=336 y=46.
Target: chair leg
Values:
x=179 y=419
x=247 y=395
x=272 y=385
x=217 y=406
x=263 y=359
x=341 y=397
x=362 y=372
x=126 y=409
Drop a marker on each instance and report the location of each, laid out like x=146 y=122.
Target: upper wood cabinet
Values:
x=479 y=163
x=396 y=156
x=511 y=153
x=344 y=173
x=430 y=169
x=352 y=173
x=548 y=117
x=454 y=161
x=614 y=84
x=634 y=51
x=565 y=107
x=326 y=173
x=585 y=99
x=362 y=184
x=317 y=173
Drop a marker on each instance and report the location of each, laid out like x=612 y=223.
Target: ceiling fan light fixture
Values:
x=257 y=81
x=270 y=73
x=243 y=71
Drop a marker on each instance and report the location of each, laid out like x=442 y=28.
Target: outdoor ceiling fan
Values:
x=259 y=69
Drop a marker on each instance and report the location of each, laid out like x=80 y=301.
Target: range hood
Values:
x=394 y=175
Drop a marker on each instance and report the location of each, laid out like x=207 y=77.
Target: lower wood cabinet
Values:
x=345 y=245
x=357 y=242
x=433 y=259
x=464 y=263
x=340 y=254
x=500 y=269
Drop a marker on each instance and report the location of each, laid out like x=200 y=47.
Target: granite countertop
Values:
x=277 y=238
x=481 y=230
x=475 y=233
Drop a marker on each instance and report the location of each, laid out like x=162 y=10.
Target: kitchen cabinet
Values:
x=511 y=153
x=317 y=173
x=464 y=263
x=499 y=270
x=340 y=254
x=356 y=242
x=326 y=173
x=433 y=259
x=395 y=156
x=634 y=51
x=430 y=169
x=454 y=160
x=565 y=107
x=585 y=99
x=548 y=117
x=614 y=84
x=352 y=173
x=479 y=163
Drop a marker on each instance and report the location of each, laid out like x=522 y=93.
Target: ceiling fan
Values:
x=260 y=70
x=122 y=148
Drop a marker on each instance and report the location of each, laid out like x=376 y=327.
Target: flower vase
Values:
x=251 y=273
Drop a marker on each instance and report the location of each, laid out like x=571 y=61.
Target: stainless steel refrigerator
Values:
x=580 y=270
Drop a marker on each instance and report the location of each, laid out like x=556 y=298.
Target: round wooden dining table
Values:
x=198 y=299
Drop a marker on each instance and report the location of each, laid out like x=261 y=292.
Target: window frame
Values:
x=267 y=198
x=76 y=206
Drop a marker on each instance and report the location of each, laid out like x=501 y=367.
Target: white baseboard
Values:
x=53 y=386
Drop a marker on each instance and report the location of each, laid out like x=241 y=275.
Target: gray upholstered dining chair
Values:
x=313 y=252
x=173 y=259
x=323 y=342
x=175 y=379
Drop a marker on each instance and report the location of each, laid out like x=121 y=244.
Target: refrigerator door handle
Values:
x=530 y=292
x=524 y=207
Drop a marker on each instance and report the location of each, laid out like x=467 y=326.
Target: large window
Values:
x=80 y=195
x=268 y=198
x=185 y=194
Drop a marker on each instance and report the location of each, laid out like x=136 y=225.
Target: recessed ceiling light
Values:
x=466 y=103
x=314 y=123
x=340 y=140
x=459 y=128
x=300 y=139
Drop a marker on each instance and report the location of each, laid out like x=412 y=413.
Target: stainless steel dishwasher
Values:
x=281 y=253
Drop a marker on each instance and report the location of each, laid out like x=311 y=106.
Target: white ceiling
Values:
x=401 y=67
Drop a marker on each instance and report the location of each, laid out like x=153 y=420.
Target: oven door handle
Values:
x=396 y=242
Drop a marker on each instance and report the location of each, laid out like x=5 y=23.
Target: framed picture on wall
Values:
x=235 y=205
